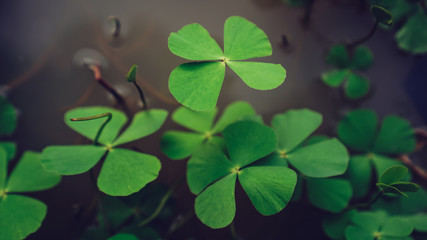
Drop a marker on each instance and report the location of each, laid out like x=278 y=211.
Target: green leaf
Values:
x=115 y=210
x=123 y=236
x=324 y=159
x=197 y=85
x=7 y=117
x=259 y=75
x=3 y=170
x=382 y=163
x=90 y=128
x=125 y=172
x=382 y=15
x=273 y=159
x=390 y=189
x=294 y=126
x=335 y=78
x=414 y=203
x=143 y=124
x=131 y=76
x=362 y=58
x=358 y=129
x=329 y=194
x=30 y=176
x=406 y=186
x=334 y=225
x=396 y=227
x=179 y=145
x=413 y=35
x=359 y=173
x=216 y=205
x=338 y=56
x=197 y=121
x=419 y=221
x=232 y=113
x=370 y=221
x=396 y=136
x=357 y=233
x=393 y=174
x=248 y=141
x=71 y=160
x=193 y=42
x=10 y=148
x=316 y=139
x=243 y=40
x=207 y=165
x=268 y=188
x=20 y=216
x=356 y=86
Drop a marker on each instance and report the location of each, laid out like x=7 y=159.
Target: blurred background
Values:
x=42 y=43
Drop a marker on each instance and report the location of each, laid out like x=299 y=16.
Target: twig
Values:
x=421 y=173
x=307 y=14
x=367 y=204
x=141 y=95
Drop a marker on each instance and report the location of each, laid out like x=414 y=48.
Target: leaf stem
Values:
x=365 y=38
x=307 y=14
x=98 y=134
x=367 y=204
x=96 y=70
x=182 y=221
x=141 y=95
x=117 y=26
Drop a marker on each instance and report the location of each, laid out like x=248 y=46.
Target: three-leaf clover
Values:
x=377 y=225
x=318 y=159
x=391 y=181
x=212 y=174
x=124 y=171
x=179 y=144
x=359 y=130
x=7 y=117
x=197 y=85
x=21 y=215
x=355 y=85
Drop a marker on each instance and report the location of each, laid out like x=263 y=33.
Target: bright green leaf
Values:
x=329 y=194
x=396 y=227
x=197 y=121
x=273 y=159
x=358 y=129
x=294 y=126
x=362 y=58
x=359 y=173
x=143 y=124
x=7 y=117
x=357 y=233
x=395 y=136
x=338 y=56
x=20 y=216
x=30 y=176
x=216 y=205
x=10 y=148
x=3 y=170
x=412 y=36
x=248 y=141
x=324 y=159
x=193 y=42
x=207 y=165
x=90 y=128
x=316 y=139
x=382 y=163
x=259 y=75
x=232 y=113
x=131 y=76
x=179 y=145
x=197 y=85
x=125 y=172
x=393 y=174
x=243 y=40
x=335 y=78
x=268 y=188
x=356 y=86
x=71 y=160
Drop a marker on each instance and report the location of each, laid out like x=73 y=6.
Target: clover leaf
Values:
x=21 y=215
x=212 y=175
x=419 y=221
x=7 y=117
x=359 y=130
x=377 y=225
x=124 y=171
x=390 y=181
x=416 y=202
x=334 y=225
x=10 y=148
x=123 y=236
x=355 y=85
x=197 y=85
x=179 y=144
x=321 y=159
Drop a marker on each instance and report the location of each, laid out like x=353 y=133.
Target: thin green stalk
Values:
x=367 y=204
x=98 y=134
